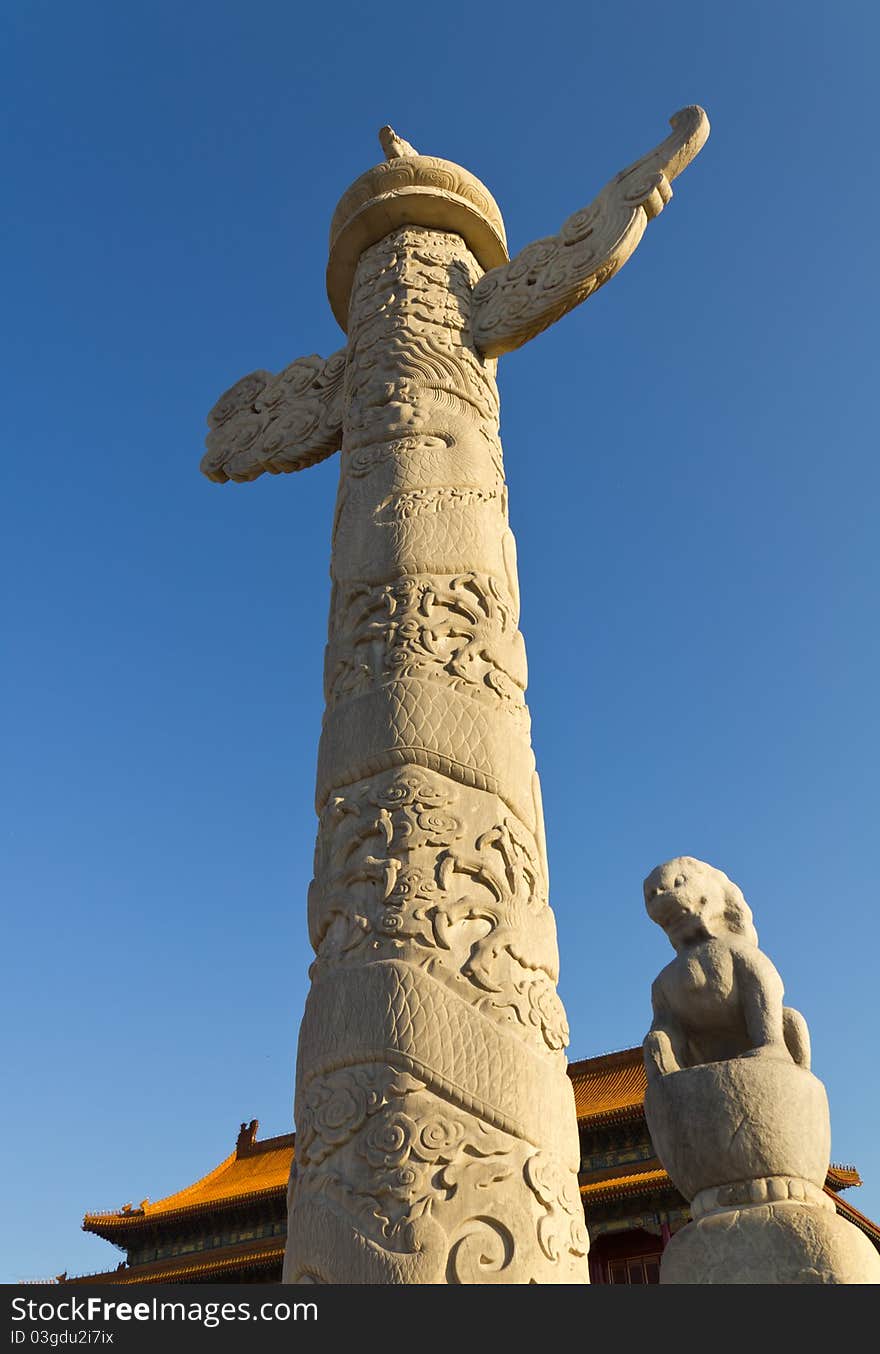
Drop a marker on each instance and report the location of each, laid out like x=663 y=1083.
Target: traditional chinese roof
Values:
x=846 y=1210
x=609 y=1088
x=841 y=1177
x=254 y=1171
x=644 y=1178
x=648 y=1177
x=244 y=1257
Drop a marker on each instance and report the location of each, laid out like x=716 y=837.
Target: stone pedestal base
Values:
x=742 y=1120
x=747 y=1141
x=784 y=1242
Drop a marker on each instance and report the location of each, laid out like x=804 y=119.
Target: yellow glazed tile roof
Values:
x=610 y=1087
x=252 y=1169
x=189 y=1268
x=846 y=1210
x=628 y=1182
x=842 y=1177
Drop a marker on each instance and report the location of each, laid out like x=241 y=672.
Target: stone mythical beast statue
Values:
x=736 y=1117
x=720 y=997
x=436 y=1132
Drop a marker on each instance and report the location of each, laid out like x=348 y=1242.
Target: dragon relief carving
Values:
x=461 y=631
x=404 y=868
x=561 y=1227
x=394 y=350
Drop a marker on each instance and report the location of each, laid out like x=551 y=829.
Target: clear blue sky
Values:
x=692 y=459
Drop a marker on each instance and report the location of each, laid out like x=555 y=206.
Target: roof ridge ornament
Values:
x=247 y=1136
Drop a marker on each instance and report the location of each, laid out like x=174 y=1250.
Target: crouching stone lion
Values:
x=721 y=997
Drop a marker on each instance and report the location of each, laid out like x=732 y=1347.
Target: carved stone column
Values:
x=436 y=1131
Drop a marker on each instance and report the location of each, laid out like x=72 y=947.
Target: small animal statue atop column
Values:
x=436 y=1132
x=735 y=1115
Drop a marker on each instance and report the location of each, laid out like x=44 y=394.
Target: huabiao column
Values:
x=436 y=1132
